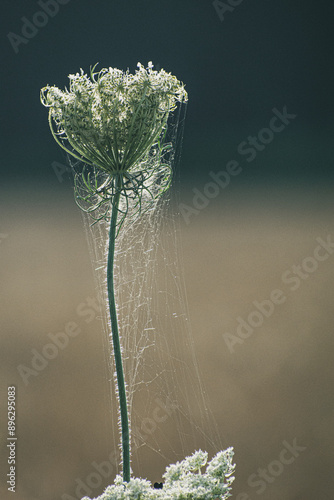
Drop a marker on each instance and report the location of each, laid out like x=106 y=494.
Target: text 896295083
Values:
x=11 y=444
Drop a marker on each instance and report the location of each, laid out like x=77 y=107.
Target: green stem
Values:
x=115 y=336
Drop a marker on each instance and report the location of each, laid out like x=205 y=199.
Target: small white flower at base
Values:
x=183 y=481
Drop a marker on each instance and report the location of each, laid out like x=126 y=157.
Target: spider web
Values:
x=168 y=412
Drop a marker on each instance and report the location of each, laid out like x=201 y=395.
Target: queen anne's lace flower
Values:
x=114 y=123
x=183 y=481
x=112 y=118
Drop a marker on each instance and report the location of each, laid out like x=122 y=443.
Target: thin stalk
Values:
x=115 y=335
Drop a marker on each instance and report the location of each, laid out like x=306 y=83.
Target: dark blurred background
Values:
x=243 y=63
x=262 y=55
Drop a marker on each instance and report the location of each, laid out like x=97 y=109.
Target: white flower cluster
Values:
x=183 y=481
x=112 y=118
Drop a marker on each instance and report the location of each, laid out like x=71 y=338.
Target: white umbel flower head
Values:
x=115 y=123
x=183 y=481
x=112 y=118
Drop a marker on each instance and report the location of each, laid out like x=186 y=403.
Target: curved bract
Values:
x=114 y=122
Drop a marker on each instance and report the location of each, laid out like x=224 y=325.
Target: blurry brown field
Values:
x=277 y=385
